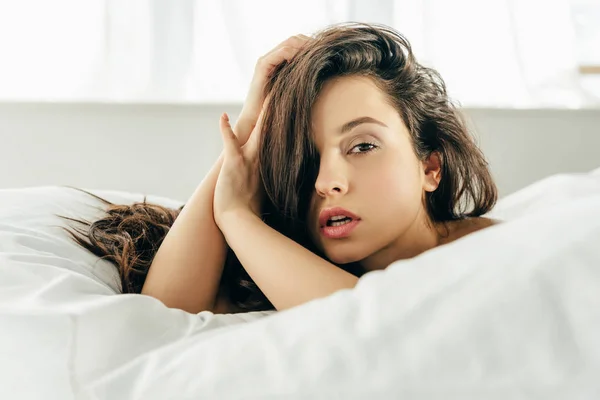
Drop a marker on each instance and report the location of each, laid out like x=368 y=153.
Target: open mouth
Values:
x=338 y=221
x=339 y=227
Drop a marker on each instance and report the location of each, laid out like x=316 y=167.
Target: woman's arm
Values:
x=286 y=272
x=187 y=268
x=186 y=271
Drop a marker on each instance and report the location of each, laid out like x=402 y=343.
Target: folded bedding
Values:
x=512 y=311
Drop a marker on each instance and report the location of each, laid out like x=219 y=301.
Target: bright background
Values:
x=125 y=95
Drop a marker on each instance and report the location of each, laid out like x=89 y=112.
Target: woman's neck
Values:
x=423 y=236
x=420 y=237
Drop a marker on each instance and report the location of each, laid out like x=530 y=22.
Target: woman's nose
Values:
x=331 y=180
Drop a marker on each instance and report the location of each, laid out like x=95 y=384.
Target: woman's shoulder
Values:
x=478 y=223
x=466 y=226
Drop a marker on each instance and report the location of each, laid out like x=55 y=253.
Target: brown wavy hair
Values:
x=130 y=235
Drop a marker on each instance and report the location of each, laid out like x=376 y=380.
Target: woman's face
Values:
x=368 y=167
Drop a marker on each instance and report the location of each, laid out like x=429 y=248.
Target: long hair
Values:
x=130 y=235
x=289 y=160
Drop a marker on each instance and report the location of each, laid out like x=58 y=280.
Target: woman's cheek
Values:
x=395 y=181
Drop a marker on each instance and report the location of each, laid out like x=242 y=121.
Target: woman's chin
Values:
x=339 y=255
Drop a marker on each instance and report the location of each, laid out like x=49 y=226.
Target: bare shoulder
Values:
x=482 y=222
x=458 y=229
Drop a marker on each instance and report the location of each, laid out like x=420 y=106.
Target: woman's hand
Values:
x=289 y=275
x=255 y=99
x=238 y=186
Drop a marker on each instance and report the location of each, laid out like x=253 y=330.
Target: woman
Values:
x=362 y=160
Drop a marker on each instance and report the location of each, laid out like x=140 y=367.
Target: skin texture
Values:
x=373 y=171
x=385 y=187
x=186 y=270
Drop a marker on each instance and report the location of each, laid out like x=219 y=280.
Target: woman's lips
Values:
x=341 y=231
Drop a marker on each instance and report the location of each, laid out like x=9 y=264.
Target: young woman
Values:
x=348 y=155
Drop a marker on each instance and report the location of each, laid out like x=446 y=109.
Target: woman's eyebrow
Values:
x=348 y=126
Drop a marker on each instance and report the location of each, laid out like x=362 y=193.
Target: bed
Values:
x=509 y=312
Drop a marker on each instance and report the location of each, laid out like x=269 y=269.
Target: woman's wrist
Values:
x=229 y=220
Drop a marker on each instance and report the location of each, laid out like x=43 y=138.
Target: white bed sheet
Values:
x=509 y=312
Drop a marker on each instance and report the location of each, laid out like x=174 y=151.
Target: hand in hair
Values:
x=255 y=98
x=238 y=186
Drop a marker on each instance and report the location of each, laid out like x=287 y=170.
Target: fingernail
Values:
x=225 y=117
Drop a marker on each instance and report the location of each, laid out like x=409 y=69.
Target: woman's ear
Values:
x=432 y=170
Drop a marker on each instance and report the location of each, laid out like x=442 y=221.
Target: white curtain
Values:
x=497 y=53
x=519 y=53
x=96 y=50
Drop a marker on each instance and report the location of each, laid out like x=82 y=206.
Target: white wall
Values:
x=166 y=149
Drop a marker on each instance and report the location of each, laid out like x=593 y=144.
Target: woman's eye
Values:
x=363 y=148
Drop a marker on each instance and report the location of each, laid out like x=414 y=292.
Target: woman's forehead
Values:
x=344 y=102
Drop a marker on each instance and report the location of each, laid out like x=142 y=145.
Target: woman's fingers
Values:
x=268 y=62
x=296 y=41
x=285 y=50
x=230 y=141
x=251 y=147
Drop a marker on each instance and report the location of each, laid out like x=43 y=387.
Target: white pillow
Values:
x=46 y=277
x=28 y=225
x=504 y=313
x=548 y=192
